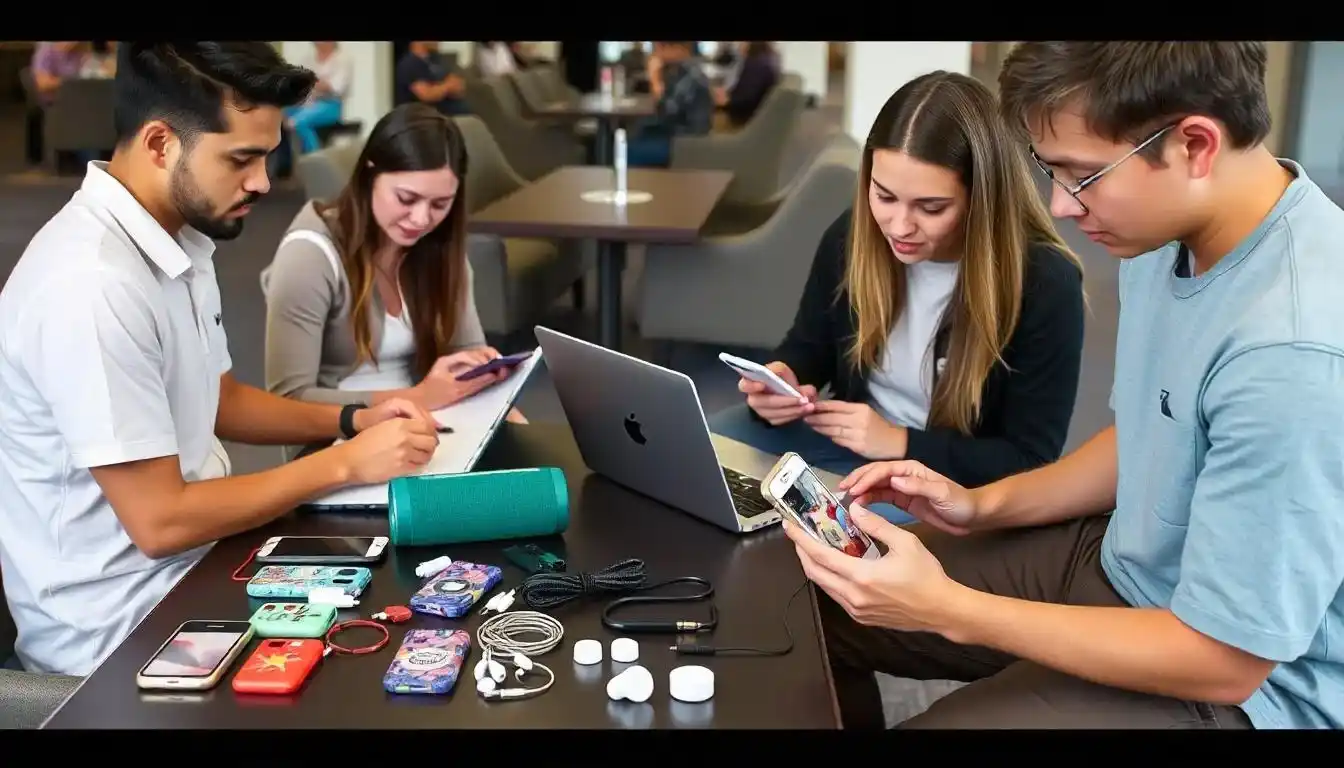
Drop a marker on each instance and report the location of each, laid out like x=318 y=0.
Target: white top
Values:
x=336 y=71
x=494 y=60
x=902 y=387
x=111 y=348
x=391 y=364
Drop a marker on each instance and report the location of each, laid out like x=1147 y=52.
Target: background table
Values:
x=753 y=576
x=553 y=207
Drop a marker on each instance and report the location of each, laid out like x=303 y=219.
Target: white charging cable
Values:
x=517 y=637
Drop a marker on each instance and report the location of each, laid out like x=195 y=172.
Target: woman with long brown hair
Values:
x=370 y=297
x=944 y=311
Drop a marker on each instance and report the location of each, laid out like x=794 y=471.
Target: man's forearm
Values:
x=257 y=417
x=1139 y=649
x=211 y=510
x=1078 y=485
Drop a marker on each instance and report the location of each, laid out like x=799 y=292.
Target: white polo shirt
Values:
x=111 y=348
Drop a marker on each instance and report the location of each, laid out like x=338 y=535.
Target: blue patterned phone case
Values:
x=453 y=591
x=296 y=581
x=429 y=661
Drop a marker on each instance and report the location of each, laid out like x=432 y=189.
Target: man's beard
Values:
x=198 y=212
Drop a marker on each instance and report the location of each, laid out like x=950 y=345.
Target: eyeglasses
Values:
x=1077 y=187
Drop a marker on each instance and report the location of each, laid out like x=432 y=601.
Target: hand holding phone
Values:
x=772 y=390
x=442 y=386
x=507 y=362
x=794 y=489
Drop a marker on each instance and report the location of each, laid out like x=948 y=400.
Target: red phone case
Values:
x=278 y=666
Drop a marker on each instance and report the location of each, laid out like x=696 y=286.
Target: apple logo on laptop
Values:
x=634 y=429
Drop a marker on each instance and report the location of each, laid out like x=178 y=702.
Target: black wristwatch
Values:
x=347 y=426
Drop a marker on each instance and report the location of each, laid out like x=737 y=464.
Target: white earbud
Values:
x=520 y=673
x=485 y=685
x=634 y=684
x=489 y=667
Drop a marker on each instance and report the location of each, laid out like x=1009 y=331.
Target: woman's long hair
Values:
x=433 y=274
x=952 y=121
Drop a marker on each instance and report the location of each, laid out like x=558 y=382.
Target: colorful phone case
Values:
x=278 y=666
x=429 y=661
x=293 y=620
x=298 y=580
x=453 y=591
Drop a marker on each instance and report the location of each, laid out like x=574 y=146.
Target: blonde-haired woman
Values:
x=944 y=311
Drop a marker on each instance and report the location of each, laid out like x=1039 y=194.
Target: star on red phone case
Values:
x=278 y=666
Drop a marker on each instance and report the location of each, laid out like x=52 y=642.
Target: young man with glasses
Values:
x=1183 y=568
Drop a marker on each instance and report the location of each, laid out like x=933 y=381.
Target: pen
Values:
x=444 y=429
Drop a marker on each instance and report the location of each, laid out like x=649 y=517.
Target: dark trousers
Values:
x=1053 y=564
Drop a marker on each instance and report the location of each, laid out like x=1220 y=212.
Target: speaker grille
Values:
x=478 y=506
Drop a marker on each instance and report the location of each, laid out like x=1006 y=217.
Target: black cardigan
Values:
x=1025 y=413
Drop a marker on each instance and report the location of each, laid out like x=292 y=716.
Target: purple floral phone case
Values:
x=429 y=661
x=452 y=592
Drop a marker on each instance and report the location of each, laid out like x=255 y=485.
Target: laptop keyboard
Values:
x=746 y=493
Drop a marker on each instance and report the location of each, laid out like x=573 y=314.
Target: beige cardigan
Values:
x=310 y=344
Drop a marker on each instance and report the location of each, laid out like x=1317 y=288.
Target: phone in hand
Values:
x=195 y=657
x=759 y=373
x=794 y=489
x=507 y=361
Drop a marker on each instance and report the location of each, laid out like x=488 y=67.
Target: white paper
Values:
x=474 y=422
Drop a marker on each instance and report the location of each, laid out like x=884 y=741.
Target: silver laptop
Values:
x=642 y=426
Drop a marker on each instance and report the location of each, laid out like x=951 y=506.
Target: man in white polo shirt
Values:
x=114 y=368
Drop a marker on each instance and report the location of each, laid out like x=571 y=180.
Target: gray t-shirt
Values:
x=1229 y=410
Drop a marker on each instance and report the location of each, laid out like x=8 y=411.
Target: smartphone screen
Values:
x=334 y=547
x=197 y=649
x=818 y=510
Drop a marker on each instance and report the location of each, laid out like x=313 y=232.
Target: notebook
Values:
x=474 y=422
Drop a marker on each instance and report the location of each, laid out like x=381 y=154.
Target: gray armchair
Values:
x=325 y=173
x=516 y=279
x=532 y=148
x=80 y=118
x=554 y=84
x=746 y=287
x=754 y=154
x=27 y=699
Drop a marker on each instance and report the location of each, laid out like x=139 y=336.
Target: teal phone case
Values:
x=293 y=620
x=296 y=581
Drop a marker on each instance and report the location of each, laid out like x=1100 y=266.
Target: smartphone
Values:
x=794 y=489
x=195 y=657
x=757 y=372
x=278 y=666
x=296 y=581
x=429 y=661
x=451 y=594
x=300 y=550
x=293 y=620
x=507 y=361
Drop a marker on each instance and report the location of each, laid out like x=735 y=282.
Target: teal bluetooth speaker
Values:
x=431 y=510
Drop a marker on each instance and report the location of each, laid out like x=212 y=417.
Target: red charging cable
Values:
x=394 y=614
x=246 y=563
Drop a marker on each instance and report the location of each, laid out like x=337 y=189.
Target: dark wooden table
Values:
x=554 y=206
x=754 y=578
x=609 y=112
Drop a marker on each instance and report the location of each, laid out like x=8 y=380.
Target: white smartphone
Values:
x=327 y=550
x=795 y=490
x=196 y=657
x=758 y=372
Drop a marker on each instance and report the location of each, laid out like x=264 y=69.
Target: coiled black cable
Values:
x=543 y=591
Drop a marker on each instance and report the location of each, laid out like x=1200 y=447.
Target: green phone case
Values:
x=293 y=620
